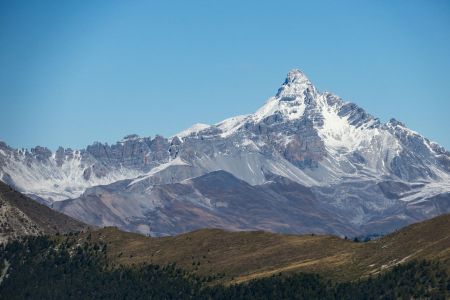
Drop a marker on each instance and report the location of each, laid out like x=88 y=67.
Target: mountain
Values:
x=306 y=161
x=21 y=216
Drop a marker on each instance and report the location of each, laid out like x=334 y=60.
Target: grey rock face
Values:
x=67 y=173
x=41 y=154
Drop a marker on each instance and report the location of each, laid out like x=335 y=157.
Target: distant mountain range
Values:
x=307 y=161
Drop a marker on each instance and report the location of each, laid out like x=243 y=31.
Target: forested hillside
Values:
x=46 y=268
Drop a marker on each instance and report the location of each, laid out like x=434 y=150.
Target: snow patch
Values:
x=174 y=162
x=231 y=125
x=291 y=110
x=196 y=128
x=338 y=134
x=56 y=183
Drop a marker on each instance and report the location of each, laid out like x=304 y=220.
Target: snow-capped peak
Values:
x=298 y=77
x=296 y=86
x=296 y=93
x=300 y=133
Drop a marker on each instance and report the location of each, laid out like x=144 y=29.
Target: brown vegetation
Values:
x=241 y=256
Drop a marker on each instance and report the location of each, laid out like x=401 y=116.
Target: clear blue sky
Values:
x=74 y=72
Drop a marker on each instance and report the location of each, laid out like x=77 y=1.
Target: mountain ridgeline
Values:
x=305 y=162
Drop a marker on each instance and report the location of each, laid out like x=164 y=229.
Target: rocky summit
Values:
x=305 y=162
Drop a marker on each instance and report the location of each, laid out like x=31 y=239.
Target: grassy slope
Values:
x=242 y=256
